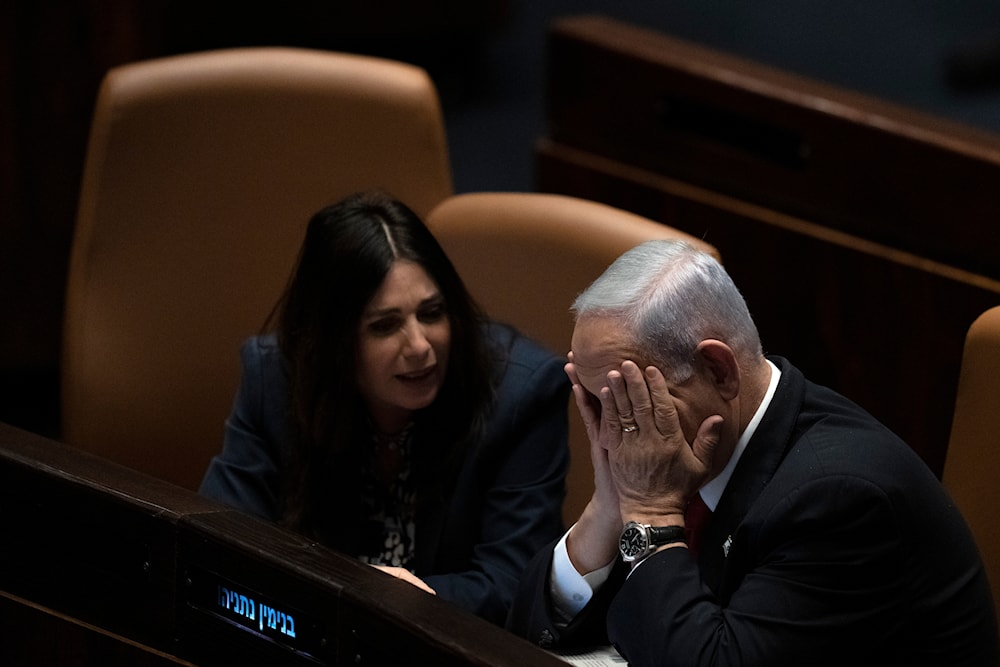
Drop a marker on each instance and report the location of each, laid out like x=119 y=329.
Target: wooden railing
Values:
x=863 y=235
x=102 y=565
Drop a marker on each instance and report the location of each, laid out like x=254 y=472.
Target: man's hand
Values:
x=602 y=438
x=594 y=540
x=653 y=467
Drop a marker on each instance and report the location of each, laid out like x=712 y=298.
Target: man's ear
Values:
x=723 y=369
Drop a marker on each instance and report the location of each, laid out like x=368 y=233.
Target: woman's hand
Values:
x=407 y=576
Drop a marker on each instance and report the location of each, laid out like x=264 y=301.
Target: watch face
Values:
x=632 y=542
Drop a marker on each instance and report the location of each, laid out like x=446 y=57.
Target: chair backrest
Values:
x=972 y=463
x=525 y=257
x=201 y=173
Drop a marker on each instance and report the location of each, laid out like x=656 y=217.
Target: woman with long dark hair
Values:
x=382 y=415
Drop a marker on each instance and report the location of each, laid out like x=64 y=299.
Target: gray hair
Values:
x=669 y=296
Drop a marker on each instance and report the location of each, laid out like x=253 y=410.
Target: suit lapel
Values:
x=763 y=454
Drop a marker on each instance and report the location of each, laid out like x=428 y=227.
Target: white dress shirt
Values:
x=571 y=591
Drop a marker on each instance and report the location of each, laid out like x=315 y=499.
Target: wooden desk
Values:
x=102 y=565
x=863 y=236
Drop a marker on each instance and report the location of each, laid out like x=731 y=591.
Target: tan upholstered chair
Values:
x=201 y=173
x=525 y=257
x=972 y=464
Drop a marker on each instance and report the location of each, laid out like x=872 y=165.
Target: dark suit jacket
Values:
x=832 y=544
x=504 y=506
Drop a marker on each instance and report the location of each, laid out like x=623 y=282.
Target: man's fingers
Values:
x=570 y=369
x=664 y=411
x=621 y=403
x=585 y=403
x=585 y=407
x=609 y=411
x=637 y=398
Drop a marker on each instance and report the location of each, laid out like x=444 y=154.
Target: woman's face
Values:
x=403 y=346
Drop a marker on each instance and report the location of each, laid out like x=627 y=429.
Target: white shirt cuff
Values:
x=570 y=590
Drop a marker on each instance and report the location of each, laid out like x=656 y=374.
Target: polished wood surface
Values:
x=860 y=234
x=45 y=637
x=129 y=569
x=823 y=153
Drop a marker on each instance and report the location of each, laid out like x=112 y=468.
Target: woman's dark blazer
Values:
x=833 y=544
x=506 y=501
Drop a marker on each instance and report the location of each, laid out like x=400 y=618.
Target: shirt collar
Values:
x=712 y=492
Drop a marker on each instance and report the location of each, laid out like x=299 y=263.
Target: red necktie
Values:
x=695 y=516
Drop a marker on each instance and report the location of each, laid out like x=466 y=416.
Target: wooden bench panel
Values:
x=883 y=326
x=823 y=153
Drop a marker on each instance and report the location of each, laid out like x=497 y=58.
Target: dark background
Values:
x=487 y=59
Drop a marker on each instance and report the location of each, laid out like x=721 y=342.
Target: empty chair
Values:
x=201 y=173
x=525 y=257
x=972 y=463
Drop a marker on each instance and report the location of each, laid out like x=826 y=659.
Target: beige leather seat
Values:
x=972 y=464
x=201 y=173
x=525 y=257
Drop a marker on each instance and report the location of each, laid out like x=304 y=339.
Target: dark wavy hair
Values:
x=348 y=249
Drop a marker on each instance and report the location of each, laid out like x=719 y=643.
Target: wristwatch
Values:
x=638 y=540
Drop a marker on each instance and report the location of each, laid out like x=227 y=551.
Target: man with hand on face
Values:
x=826 y=541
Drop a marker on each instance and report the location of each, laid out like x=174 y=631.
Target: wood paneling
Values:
x=862 y=235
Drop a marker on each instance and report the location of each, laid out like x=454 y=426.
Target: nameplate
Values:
x=267 y=616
